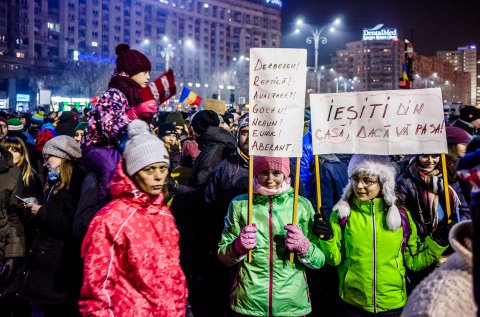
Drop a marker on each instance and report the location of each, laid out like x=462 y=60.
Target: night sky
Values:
x=435 y=25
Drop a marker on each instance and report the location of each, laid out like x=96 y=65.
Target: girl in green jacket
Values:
x=365 y=240
x=270 y=285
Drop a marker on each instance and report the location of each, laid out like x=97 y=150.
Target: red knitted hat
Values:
x=131 y=61
x=161 y=89
x=263 y=163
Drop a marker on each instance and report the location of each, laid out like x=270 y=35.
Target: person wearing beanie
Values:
x=457 y=140
x=66 y=123
x=203 y=119
x=229 y=179
x=448 y=290
x=3 y=128
x=37 y=118
x=227 y=119
x=54 y=255
x=469 y=171
x=167 y=133
x=140 y=227
x=14 y=124
x=471 y=115
x=420 y=189
x=381 y=239
x=271 y=239
x=177 y=120
x=79 y=131
x=12 y=236
x=129 y=96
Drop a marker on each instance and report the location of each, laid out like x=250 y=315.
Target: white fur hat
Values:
x=384 y=169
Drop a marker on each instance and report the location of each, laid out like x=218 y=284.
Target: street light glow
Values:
x=165 y=38
x=316 y=37
x=337 y=21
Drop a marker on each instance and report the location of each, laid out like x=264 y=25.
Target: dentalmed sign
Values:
x=379 y=122
x=277 y=101
x=380 y=33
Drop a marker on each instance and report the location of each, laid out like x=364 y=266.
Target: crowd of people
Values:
x=122 y=210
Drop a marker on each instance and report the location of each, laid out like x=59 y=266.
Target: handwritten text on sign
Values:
x=379 y=122
x=277 y=101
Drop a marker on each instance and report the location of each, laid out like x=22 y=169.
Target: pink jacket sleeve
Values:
x=100 y=271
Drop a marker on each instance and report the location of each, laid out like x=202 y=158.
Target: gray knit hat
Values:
x=142 y=148
x=63 y=146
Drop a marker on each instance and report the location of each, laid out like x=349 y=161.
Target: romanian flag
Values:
x=404 y=82
x=190 y=97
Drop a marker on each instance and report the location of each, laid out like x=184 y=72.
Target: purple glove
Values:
x=143 y=111
x=295 y=240
x=247 y=240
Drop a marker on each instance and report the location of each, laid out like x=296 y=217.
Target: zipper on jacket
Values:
x=270 y=286
x=372 y=205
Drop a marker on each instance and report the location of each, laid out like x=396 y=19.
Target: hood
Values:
x=47 y=125
x=461 y=240
x=381 y=167
x=216 y=135
x=122 y=186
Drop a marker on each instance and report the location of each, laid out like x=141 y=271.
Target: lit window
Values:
x=20 y=55
x=205 y=5
x=94 y=44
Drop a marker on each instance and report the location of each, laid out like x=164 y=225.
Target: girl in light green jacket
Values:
x=371 y=241
x=270 y=285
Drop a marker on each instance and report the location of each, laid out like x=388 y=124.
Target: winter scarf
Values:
x=429 y=186
x=259 y=189
x=128 y=87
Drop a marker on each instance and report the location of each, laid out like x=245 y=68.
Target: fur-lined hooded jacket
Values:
x=368 y=248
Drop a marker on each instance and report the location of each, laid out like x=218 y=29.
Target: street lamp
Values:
x=316 y=38
x=167 y=53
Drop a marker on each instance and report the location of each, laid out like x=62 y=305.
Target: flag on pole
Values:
x=404 y=82
x=190 y=97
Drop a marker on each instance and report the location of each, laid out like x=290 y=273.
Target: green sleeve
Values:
x=231 y=231
x=314 y=258
x=333 y=247
x=419 y=255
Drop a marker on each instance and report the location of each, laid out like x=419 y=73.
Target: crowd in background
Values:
x=122 y=210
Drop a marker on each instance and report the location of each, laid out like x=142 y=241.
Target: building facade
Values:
x=374 y=64
x=466 y=59
x=206 y=42
x=377 y=65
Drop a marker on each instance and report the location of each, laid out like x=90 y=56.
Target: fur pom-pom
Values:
x=394 y=220
x=137 y=127
x=343 y=208
x=121 y=48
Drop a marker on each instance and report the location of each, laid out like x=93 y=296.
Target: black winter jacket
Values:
x=53 y=268
x=215 y=145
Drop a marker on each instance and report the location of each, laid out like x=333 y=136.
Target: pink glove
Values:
x=295 y=240
x=247 y=240
x=144 y=111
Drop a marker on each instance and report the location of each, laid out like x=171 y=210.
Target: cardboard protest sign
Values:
x=277 y=101
x=215 y=105
x=379 y=122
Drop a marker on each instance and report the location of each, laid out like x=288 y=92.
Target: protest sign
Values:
x=277 y=101
x=379 y=122
x=215 y=105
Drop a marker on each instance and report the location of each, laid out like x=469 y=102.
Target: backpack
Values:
x=405 y=227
